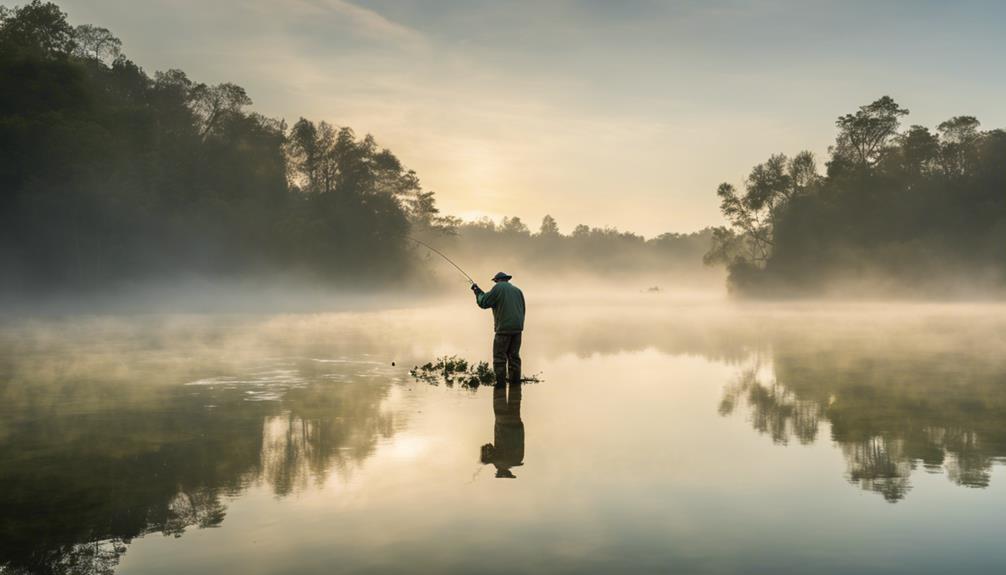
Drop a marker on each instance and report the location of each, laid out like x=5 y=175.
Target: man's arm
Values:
x=486 y=300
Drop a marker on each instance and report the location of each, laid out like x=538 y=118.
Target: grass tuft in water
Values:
x=455 y=371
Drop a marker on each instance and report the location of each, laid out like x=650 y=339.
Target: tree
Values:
x=919 y=150
x=768 y=190
x=211 y=103
x=392 y=178
x=514 y=226
x=728 y=248
x=959 y=130
x=36 y=29
x=351 y=162
x=423 y=209
x=803 y=174
x=305 y=154
x=549 y=228
x=96 y=43
x=425 y=216
x=748 y=215
x=865 y=135
x=958 y=152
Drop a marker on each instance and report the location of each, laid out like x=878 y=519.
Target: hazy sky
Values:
x=605 y=113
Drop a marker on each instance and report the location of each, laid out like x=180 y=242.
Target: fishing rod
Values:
x=441 y=254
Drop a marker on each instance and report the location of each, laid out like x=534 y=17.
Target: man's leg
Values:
x=501 y=344
x=513 y=357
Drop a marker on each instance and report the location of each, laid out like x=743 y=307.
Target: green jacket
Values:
x=507 y=303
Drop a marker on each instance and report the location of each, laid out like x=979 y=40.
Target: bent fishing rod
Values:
x=441 y=254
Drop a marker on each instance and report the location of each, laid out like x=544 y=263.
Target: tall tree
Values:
x=768 y=190
x=959 y=138
x=96 y=43
x=212 y=103
x=514 y=225
x=36 y=29
x=865 y=135
x=549 y=228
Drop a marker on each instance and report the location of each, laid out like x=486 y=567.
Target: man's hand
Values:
x=476 y=288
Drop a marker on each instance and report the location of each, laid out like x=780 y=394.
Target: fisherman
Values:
x=507 y=303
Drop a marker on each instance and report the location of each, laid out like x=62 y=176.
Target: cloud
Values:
x=365 y=21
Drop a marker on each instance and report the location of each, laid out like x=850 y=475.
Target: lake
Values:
x=666 y=435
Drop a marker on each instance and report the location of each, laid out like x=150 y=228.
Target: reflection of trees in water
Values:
x=969 y=462
x=880 y=464
x=775 y=411
x=306 y=443
x=77 y=487
x=890 y=410
x=201 y=508
x=92 y=557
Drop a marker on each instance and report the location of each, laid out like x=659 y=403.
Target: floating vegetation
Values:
x=455 y=371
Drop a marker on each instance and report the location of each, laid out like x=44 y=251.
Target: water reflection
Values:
x=895 y=404
x=78 y=485
x=507 y=449
x=112 y=431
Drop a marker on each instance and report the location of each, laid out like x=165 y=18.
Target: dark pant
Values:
x=506 y=357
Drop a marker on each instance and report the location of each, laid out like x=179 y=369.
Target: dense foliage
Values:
x=911 y=211
x=110 y=175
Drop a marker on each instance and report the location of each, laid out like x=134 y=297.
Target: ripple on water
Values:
x=273 y=384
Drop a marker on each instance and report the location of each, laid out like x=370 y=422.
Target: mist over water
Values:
x=291 y=441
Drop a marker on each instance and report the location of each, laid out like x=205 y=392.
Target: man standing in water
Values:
x=507 y=303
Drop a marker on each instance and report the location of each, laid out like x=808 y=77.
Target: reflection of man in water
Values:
x=507 y=303
x=508 y=449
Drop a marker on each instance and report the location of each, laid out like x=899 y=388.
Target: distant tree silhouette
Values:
x=593 y=251
x=549 y=227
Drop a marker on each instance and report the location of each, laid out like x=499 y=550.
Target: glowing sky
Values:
x=605 y=113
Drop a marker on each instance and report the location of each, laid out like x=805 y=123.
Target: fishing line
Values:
x=441 y=254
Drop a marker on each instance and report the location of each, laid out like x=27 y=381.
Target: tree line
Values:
x=110 y=175
x=603 y=253
x=911 y=211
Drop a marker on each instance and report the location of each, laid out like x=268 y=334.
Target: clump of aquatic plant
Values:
x=455 y=371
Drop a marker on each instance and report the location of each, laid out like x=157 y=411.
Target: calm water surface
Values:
x=667 y=436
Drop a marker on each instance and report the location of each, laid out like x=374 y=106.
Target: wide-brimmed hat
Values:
x=500 y=276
